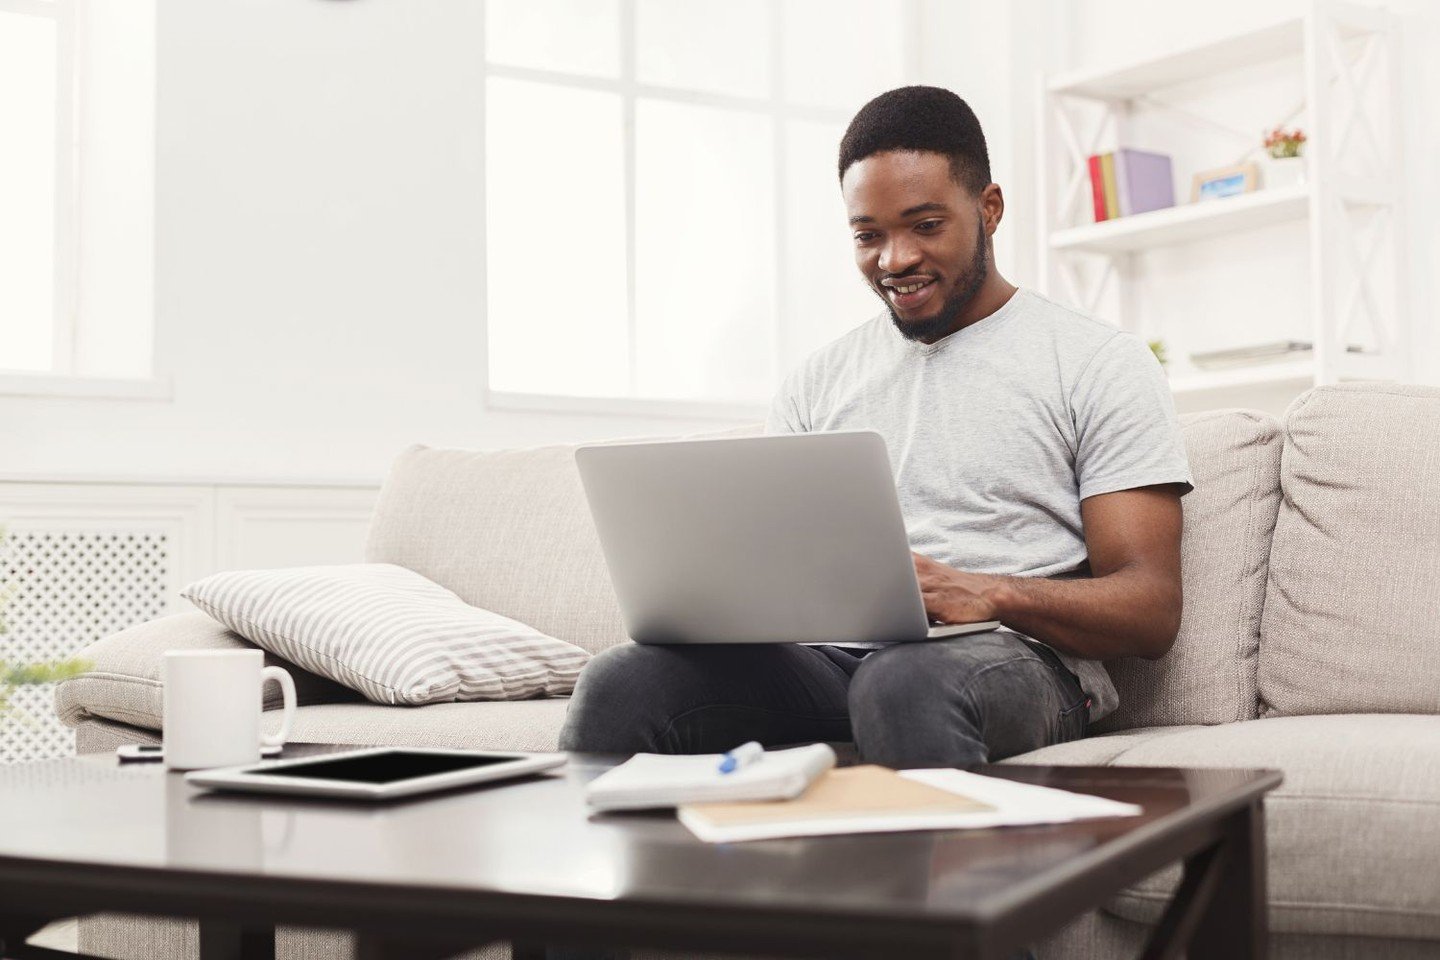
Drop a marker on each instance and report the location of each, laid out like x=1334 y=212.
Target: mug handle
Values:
x=287 y=692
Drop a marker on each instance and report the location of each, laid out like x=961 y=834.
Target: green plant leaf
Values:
x=14 y=676
x=30 y=674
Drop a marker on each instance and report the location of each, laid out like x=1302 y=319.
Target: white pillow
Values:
x=389 y=633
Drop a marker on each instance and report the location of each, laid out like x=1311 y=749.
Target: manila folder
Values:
x=863 y=799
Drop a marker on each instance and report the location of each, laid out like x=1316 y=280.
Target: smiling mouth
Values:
x=905 y=295
x=912 y=287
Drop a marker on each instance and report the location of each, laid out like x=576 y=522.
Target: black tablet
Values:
x=380 y=773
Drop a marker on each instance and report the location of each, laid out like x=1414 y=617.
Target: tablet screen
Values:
x=388 y=767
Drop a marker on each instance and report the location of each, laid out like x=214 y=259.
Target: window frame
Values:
x=630 y=89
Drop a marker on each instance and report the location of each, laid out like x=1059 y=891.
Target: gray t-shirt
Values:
x=998 y=431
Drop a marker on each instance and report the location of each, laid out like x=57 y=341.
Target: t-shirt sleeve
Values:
x=1126 y=431
x=787 y=409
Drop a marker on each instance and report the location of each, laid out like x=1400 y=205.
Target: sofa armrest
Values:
x=124 y=684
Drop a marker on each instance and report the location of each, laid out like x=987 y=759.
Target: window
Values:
x=663 y=223
x=36 y=185
x=77 y=111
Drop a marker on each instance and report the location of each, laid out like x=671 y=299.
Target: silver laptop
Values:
x=782 y=539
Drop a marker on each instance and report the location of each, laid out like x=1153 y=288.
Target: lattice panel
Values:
x=67 y=589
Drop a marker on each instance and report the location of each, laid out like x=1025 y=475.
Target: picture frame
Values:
x=1224 y=182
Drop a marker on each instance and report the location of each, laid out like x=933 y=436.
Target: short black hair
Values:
x=920 y=118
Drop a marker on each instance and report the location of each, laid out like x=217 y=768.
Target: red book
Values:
x=1097 y=188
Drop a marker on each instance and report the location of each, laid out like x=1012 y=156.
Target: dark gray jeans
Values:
x=945 y=703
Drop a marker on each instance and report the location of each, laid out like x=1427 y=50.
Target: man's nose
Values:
x=899 y=255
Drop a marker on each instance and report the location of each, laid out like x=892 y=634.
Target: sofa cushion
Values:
x=1352 y=609
x=1096 y=751
x=1100 y=935
x=124 y=680
x=163 y=938
x=513 y=725
x=1353 y=833
x=389 y=633
x=1209 y=674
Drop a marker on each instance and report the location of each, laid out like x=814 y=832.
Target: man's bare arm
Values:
x=1129 y=607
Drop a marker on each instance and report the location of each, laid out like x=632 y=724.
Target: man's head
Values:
x=915 y=175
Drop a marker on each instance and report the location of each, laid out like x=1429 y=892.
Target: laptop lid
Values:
x=775 y=539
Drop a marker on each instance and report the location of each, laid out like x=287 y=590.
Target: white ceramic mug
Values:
x=212 y=707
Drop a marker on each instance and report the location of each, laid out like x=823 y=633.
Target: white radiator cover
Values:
x=84 y=560
x=68 y=588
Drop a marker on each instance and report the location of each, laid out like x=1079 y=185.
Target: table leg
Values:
x=222 y=940
x=1234 y=924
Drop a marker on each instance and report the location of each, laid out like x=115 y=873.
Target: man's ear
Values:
x=992 y=207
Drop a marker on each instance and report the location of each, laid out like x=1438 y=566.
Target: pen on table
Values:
x=741 y=757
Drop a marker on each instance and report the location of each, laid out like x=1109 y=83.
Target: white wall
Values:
x=318 y=291
x=992 y=54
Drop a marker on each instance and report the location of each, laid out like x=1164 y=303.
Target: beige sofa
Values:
x=1310 y=643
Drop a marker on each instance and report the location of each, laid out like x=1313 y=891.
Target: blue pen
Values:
x=742 y=756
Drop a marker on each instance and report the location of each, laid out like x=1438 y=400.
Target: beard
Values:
x=927 y=330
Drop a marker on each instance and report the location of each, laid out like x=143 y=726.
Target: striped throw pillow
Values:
x=389 y=633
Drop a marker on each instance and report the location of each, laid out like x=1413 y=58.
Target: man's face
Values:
x=919 y=239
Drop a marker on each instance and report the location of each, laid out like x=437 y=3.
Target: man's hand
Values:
x=954 y=596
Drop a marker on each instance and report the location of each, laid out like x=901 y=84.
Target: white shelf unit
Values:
x=1349 y=183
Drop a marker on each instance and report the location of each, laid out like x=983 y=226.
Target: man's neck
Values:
x=993 y=294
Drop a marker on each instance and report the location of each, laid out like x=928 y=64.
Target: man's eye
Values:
x=927 y=225
x=864 y=237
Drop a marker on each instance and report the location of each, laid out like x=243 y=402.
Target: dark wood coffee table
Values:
x=430 y=877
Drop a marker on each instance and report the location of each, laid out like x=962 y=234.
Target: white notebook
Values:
x=660 y=780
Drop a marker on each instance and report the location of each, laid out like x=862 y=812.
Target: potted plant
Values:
x=1284 y=157
x=16 y=675
x=1157 y=347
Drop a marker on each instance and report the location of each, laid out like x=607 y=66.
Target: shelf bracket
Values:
x=1361 y=291
x=1085 y=293
x=1354 y=76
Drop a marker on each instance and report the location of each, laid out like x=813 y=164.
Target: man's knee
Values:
x=606 y=711
x=904 y=679
x=937 y=667
x=936 y=703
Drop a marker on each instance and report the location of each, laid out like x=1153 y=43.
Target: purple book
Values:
x=1143 y=181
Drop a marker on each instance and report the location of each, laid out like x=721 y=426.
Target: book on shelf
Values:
x=1112 y=196
x=1128 y=181
x=1097 y=187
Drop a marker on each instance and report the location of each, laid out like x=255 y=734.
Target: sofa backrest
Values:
x=508 y=531
x=1209 y=674
x=1352 y=609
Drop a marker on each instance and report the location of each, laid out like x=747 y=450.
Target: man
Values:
x=1039 y=468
